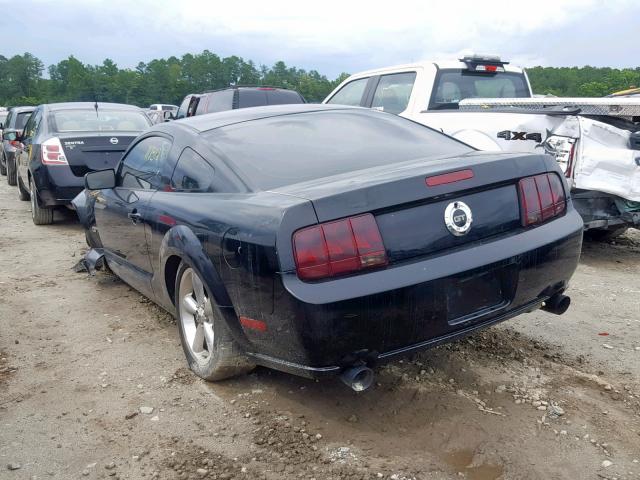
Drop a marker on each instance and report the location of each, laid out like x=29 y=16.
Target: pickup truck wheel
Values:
x=211 y=351
x=12 y=174
x=604 y=235
x=40 y=216
x=23 y=193
x=3 y=165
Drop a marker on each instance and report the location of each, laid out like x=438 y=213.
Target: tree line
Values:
x=22 y=79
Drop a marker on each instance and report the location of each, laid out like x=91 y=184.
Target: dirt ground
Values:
x=539 y=397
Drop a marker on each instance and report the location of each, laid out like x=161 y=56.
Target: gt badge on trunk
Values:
x=458 y=218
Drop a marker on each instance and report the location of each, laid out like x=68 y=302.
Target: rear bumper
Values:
x=319 y=330
x=57 y=185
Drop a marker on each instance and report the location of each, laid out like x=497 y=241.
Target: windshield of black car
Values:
x=289 y=149
x=453 y=85
x=88 y=120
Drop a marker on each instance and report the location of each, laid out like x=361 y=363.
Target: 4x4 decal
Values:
x=510 y=135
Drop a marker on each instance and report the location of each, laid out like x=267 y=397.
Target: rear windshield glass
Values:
x=104 y=120
x=21 y=120
x=261 y=97
x=289 y=149
x=454 y=85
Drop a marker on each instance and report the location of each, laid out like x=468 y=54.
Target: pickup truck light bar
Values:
x=484 y=63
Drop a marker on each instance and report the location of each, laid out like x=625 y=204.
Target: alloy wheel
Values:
x=196 y=316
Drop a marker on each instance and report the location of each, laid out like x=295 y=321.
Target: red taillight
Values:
x=542 y=197
x=337 y=248
x=52 y=153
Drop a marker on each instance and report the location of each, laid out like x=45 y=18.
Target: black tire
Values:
x=39 y=215
x=225 y=359
x=3 y=165
x=12 y=173
x=606 y=235
x=23 y=193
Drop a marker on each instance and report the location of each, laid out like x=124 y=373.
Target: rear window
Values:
x=261 y=97
x=453 y=85
x=102 y=120
x=289 y=149
x=21 y=120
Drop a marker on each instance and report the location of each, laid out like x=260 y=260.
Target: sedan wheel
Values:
x=210 y=349
x=12 y=175
x=40 y=216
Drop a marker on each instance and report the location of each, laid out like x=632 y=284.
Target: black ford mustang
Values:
x=320 y=240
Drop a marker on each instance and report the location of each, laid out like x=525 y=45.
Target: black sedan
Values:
x=61 y=142
x=323 y=240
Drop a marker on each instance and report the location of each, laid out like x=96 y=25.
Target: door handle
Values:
x=134 y=216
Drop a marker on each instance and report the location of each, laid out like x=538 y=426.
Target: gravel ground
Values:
x=93 y=384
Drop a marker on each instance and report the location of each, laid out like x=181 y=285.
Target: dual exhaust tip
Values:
x=359 y=378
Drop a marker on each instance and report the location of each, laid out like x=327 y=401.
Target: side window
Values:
x=21 y=119
x=193 y=105
x=7 y=121
x=351 y=93
x=32 y=125
x=193 y=173
x=146 y=166
x=393 y=92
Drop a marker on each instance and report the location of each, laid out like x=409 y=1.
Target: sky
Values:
x=326 y=35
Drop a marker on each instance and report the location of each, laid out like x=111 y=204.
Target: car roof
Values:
x=90 y=105
x=22 y=109
x=251 y=87
x=425 y=64
x=210 y=121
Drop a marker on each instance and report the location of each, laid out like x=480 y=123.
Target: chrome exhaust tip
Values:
x=557 y=304
x=357 y=378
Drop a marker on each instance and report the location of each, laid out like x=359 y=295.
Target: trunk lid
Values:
x=410 y=214
x=91 y=151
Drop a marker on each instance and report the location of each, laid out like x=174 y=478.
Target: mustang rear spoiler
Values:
x=615 y=107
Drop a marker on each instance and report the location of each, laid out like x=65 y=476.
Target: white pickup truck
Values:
x=489 y=104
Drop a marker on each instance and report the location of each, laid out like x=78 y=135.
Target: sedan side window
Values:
x=351 y=93
x=393 y=92
x=193 y=173
x=146 y=165
x=32 y=125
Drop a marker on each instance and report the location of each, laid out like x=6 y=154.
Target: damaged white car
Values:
x=489 y=104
